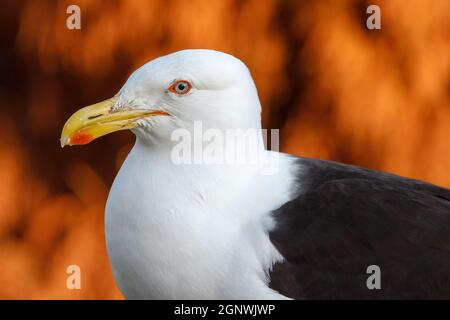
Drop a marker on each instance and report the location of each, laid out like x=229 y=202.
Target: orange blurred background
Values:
x=379 y=99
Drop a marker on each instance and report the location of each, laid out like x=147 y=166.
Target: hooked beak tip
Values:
x=64 y=142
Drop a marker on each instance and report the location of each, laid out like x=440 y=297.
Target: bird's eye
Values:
x=180 y=87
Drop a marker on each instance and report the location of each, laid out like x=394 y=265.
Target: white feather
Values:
x=193 y=231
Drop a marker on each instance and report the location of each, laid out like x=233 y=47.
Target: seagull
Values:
x=187 y=225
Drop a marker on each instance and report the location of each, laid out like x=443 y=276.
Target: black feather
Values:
x=346 y=218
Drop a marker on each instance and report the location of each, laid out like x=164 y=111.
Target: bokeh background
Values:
x=379 y=99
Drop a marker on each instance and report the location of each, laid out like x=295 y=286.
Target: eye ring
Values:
x=180 y=87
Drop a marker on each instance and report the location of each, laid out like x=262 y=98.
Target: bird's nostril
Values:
x=96 y=116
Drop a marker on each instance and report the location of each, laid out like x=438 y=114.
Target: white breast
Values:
x=192 y=231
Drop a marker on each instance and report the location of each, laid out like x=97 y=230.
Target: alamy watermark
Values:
x=374 y=20
x=73 y=21
x=226 y=147
x=73 y=281
x=374 y=280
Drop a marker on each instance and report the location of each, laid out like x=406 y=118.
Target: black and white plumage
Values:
x=206 y=230
x=346 y=218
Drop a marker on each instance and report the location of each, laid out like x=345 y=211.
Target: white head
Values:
x=172 y=92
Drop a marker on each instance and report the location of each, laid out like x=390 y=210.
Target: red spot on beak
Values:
x=81 y=138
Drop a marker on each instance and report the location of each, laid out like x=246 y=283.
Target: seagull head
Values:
x=173 y=92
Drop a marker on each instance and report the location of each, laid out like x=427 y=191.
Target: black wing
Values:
x=347 y=218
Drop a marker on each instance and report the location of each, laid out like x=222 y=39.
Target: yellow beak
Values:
x=97 y=120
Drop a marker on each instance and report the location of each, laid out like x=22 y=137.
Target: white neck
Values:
x=192 y=231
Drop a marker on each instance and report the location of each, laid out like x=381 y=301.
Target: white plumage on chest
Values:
x=191 y=232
